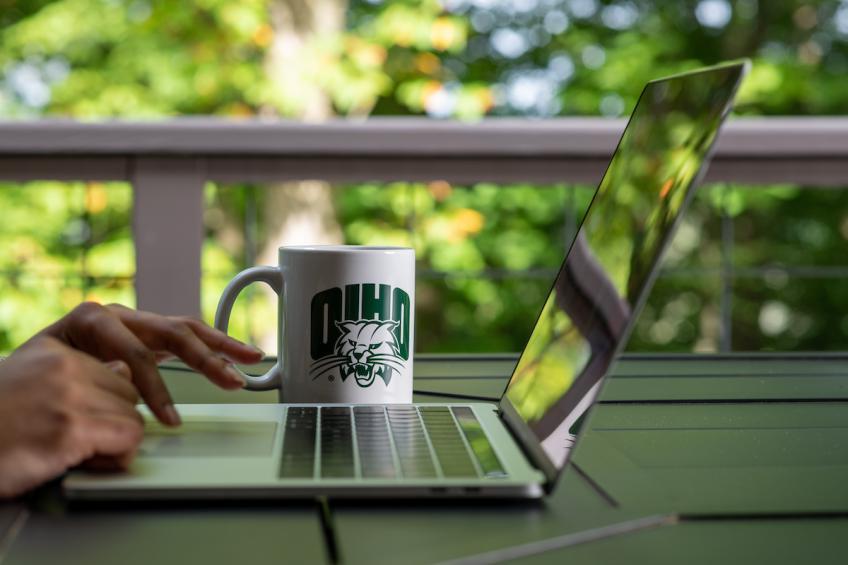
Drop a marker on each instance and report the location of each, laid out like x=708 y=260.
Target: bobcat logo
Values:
x=365 y=349
x=362 y=330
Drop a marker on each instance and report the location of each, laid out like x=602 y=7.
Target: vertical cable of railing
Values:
x=568 y=215
x=412 y=218
x=86 y=240
x=726 y=299
x=251 y=249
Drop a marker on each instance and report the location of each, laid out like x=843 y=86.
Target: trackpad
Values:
x=199 y=437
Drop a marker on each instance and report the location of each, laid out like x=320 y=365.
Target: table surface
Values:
x=745 y=462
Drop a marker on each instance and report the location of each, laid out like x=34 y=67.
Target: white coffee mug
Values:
x=345 y=319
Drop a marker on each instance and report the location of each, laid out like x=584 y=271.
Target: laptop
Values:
x=514 y=449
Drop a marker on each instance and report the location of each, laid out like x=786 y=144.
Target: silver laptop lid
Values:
x=610 y=266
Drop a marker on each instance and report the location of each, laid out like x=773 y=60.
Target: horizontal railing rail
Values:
x=169 y=161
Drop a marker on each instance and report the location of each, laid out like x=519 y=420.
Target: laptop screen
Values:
x=608 y=270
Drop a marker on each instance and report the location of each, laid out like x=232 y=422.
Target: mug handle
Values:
x=273 y=277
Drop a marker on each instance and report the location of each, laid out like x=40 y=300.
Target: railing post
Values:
x=168 y=233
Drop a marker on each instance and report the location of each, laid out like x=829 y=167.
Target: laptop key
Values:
x=479 y=442
x=447 y=442
x=410 y=443
x=374 y=443
x=298 y=459
x=336 y=443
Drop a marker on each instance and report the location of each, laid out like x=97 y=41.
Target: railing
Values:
x=168 y=163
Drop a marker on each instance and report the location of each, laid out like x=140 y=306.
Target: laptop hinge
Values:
x=528 y=442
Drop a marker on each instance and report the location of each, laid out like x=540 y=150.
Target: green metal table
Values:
x=747 y=461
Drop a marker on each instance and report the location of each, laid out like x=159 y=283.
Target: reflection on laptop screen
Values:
x=609 y=265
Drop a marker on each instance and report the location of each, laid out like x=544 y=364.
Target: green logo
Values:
x=362 y=331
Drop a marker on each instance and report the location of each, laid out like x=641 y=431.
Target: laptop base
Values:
x=237 y=451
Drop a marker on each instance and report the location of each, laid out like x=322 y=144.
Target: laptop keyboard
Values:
x=386 y=442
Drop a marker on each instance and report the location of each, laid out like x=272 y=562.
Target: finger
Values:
x=124 y=345
x=164 y=356
x=99 y=401
x=224 y=344
x=197 y=355
x=121 y=390
x=111 y=435
x=109 y=463
x=118 y=382
x=149 y=326
x=174 y=335
x=119 y=367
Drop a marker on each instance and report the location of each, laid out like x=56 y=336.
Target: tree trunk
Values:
x=299 y=212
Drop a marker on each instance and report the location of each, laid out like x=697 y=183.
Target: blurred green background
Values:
x=735 y=279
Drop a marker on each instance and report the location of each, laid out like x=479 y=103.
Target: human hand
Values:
x=60 y=408
x=142 y=339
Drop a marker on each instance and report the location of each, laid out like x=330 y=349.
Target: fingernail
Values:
x=119 y=367
x=234 y=375
x=172 y=417
x=253 y=348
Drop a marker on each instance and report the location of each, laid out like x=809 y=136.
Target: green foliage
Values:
x=136 y=59
x=63 y=243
